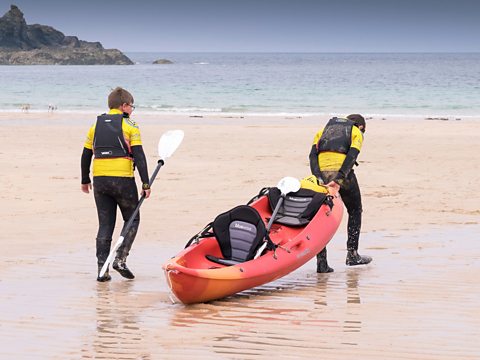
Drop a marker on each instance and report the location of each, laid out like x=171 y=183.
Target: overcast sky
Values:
x=264 y=25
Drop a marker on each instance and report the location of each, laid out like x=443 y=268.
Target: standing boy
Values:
x=114 y=141
x=333 y=154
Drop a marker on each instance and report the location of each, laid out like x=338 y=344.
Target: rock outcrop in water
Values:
x=162 y=62
x=22 y=44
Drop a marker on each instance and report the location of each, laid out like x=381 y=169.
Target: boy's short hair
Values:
x=118 y=97
x=357 y=119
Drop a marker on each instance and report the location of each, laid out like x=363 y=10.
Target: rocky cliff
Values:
x=22 y=44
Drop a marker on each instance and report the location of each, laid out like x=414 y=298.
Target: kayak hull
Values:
x=193 y=278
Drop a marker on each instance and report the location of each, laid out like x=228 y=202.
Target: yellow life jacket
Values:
x=311 y=182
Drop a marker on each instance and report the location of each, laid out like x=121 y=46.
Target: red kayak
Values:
x=207 y=269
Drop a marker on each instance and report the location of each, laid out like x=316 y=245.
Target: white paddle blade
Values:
x=169 y=142
x=110 y=256
x=288 y=184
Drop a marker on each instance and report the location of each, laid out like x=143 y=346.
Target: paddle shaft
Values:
x=274 y=214
x=129 y=223
x=269 y=225
x=137 y=209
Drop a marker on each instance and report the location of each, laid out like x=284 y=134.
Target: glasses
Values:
x=132 y=106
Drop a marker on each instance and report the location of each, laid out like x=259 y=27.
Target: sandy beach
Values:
x=418 y=299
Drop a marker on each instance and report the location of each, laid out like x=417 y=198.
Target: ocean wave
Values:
x=173 y=109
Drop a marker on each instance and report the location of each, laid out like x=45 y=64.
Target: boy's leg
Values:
x=107 y=213
x=127 y=201
x=322 y=264
x=352 y=199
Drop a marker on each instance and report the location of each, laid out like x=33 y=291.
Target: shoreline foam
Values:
x=225 y=114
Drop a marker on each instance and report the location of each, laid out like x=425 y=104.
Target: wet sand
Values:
x=417 y=300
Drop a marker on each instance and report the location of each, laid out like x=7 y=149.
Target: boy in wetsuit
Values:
x=334 y=152
x=115 y=143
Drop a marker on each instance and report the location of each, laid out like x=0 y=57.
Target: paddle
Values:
x=168 y=143
x=286 y=185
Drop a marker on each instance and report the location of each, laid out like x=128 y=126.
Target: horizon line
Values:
x=299 y=52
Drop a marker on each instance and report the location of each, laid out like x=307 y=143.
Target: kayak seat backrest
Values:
x=239 y=233
x=298 y=208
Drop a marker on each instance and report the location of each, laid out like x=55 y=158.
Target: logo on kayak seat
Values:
x=237 y=225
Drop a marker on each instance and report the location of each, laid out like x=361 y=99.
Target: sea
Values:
x=388 y=84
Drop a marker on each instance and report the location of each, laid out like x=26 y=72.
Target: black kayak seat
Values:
x=298 y=208
x=239 y=233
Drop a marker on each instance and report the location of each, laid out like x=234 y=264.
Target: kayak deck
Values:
x=194 y=278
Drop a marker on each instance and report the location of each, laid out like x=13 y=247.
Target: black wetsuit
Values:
x=351 y=197
x=338 y=133
x=110 y=191
x=113 y=191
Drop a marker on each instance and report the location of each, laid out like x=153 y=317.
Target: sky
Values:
x=264 y=25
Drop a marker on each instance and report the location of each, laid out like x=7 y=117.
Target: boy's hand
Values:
x=146 y=193
x=334 y=188
x=86 y=188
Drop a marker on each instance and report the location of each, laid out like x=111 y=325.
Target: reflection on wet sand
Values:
x=352 y=287
x=353 y=324
x=289 y=314
x=117 y=330
x=120 y=333
x=411 y=303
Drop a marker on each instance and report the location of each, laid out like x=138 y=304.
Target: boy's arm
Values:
x=85 y=162
x=140 y=163
x=347 y=165
x=86 y=159
x=352 y=154
x=137 y=151
x=313 y=157
x=314 y=166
